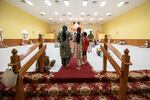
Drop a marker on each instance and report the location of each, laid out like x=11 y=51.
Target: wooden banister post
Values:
x=15 y=61
x=104 y=57
x=41 y=58
x=19 y=90
x=124 y=76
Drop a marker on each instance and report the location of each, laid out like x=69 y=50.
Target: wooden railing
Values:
x=122 y=70
x=14 y=61
x=21 y=71
x=29 y=51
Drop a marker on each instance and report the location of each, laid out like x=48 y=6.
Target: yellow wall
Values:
x=134 y=24
x=13 y=20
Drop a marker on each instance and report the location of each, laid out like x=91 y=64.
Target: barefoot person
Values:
x=64 y=38
x=79 y=48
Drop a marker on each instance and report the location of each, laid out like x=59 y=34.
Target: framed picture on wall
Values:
x=25 y=35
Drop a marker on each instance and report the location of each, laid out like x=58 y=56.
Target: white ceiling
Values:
x=76 y=8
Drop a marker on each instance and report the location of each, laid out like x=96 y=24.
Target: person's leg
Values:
x=63 y=61
x=79 y=57
x=85 y=56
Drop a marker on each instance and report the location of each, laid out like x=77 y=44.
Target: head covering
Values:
x=64 y=28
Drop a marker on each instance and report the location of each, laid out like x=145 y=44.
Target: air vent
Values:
x=23 y=1
x=94 y=2
x=64 y=15
x=57 y=1
x=88 y=15
x=126 y=3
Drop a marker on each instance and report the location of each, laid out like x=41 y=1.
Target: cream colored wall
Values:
x=13 y=20
x=134 y=24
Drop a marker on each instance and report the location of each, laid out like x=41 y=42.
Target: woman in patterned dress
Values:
x=64 y=38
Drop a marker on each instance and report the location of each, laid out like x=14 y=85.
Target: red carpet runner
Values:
x=71 y=74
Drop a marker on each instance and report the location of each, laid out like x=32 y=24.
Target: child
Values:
x=98 y=51
x=85 y=44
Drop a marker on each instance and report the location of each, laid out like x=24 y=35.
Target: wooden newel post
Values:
x=41 y=58
x=19 y=89
x=15 y=61
x=104 y=57
x=124 y=76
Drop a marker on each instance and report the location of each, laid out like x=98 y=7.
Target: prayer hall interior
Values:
x=117 y=65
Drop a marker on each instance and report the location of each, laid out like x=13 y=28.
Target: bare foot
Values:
x=78 y=68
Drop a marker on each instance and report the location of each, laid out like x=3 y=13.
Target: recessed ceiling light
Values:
x=71 y=18
x=84 y=3
x=29 y=2
x=48 y=2
x=103 y=3
x=101 y=19
x=91 y=19
x=56 y=13
x=60 y=19
x=66 y=2
x=69 y=13
x=95 y=13
x=43 y=13
x=120 y=4
x=108 y=14
x=82 y=13
x=50 y=19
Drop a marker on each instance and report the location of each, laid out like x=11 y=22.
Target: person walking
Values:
x=64 y=38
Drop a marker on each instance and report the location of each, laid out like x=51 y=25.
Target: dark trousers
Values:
x=65 y=61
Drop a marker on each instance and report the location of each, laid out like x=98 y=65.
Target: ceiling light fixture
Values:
x=56 y=13
x=71 y=18
x=48 y=2
x=43 y=13
x=95 y=13
x=60 y=19
x=84 y=3
x=101 y=19
x=120 y=4
x=82 y=13
x=50 y=18
x=103 y=3
x=108 y=14
x=69 y=13
x=66 y=2
x=29 y=2
x=91 y=19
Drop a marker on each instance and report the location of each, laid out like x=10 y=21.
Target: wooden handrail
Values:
x=112 y=61
x=25 y=55
x=117 y=53
x=27 y=65
x=29 y=51
x=114 y=50
x=122 y=71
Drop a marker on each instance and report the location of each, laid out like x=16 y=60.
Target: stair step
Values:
x=134 y=76
x=103 y=97
x=77 y=89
